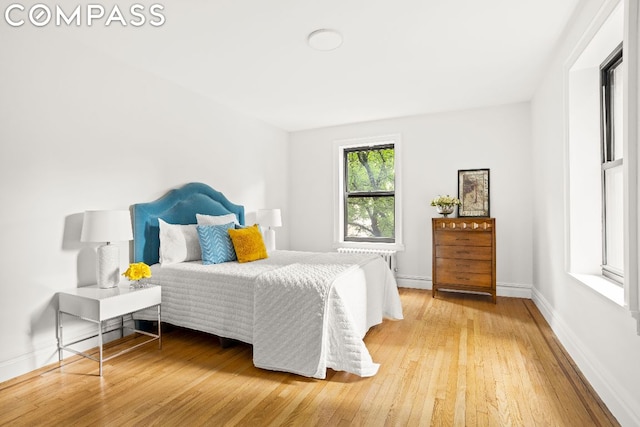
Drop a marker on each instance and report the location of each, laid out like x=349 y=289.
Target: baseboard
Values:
x=47 y=353
x=513 y=290
x=26 y=363
x=621 y=404
x=503 y=289
x=413 y=282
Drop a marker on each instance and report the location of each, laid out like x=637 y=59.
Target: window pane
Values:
x=616 y=113
x=371 y=217
x=370 y=170
x=613 y=218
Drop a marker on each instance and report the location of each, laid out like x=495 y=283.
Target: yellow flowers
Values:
x=137 y=271
x=445 y=201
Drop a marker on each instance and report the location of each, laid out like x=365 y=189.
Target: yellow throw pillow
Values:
x=248 y=243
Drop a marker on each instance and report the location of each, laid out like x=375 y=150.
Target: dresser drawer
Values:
x=463 y=238
x=465 y=252
x=444 y=277
x=463 y=265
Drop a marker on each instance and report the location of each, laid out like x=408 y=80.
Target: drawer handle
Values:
x=462 y=278
x=463 y=252
x=462 y=238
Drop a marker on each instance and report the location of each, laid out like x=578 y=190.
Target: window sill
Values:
x=603 y=286
x=370 y=245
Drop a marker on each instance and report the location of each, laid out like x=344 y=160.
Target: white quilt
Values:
x=321 y=304
x=291 y=318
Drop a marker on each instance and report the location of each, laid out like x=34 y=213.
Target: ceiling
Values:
x=398 y=58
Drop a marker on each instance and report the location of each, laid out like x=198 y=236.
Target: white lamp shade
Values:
x=269 y=217
x=106 y=226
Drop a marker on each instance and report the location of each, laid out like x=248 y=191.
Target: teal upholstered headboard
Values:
x=178 y=206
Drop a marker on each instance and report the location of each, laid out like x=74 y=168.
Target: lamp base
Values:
x=270 y=239
x=108 y=272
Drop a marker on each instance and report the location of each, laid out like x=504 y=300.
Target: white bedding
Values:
x=219 y=299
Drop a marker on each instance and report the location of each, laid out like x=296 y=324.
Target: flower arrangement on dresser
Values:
x=136 y=272
x=445 y=204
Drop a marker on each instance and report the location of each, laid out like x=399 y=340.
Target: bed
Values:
x=302 y=312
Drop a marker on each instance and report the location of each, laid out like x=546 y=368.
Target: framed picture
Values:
x=473 y=192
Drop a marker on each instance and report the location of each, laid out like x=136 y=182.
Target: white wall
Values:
x=79 y=131
x=600 y=335
x=434 y=148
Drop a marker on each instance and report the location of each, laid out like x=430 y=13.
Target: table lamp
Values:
x=107 y=227
x=269 y=218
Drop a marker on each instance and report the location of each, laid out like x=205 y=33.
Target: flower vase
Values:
x=444 y=210
x=137 y=284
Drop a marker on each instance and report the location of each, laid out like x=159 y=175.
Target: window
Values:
x=368 y=208
x=602 y=163
x=369 y=194
x=601 y=188
x=611 y=168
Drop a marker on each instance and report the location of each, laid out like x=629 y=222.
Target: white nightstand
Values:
x=98 y=305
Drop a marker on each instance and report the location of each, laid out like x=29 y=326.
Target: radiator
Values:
x=388 y=256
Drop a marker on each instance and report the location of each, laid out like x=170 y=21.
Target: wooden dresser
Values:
x=464 y=255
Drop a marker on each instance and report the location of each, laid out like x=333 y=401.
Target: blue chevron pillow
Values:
x=216 y=244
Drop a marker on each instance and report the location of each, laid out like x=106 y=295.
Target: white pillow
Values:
x=216 y=219
x=178 y=243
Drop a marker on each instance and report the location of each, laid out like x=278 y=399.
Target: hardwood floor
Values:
x=455 y=360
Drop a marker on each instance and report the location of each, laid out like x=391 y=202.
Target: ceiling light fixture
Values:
x=324 y=39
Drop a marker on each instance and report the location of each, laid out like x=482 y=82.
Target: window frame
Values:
x=339 y=201
x=607 y=147
x=373 y=194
